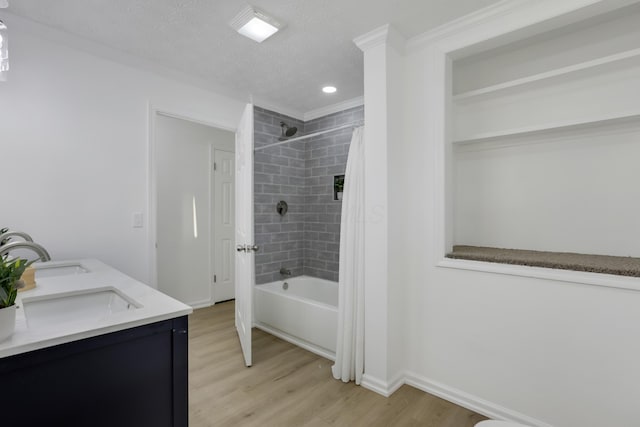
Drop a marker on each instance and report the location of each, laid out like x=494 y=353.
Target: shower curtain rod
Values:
x=311 y=135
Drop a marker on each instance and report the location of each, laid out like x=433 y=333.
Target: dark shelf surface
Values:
x=621 y=266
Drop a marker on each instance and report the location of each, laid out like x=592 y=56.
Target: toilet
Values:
x=494 y=423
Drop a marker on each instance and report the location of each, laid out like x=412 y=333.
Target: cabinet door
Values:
x=131 y=378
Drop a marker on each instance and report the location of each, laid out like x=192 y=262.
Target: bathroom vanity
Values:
x=93 y=347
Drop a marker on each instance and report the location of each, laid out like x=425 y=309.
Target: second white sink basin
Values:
x=82 y=307
x=45 y=270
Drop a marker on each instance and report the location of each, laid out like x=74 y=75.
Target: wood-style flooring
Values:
x=289 y=386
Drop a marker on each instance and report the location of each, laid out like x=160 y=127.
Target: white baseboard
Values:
x=461 y=398
x=470 y=401
x=382 y=387
x=200 y=304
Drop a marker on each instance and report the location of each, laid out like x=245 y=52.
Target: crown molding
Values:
x=334 y=108
x=387 y=34
x=263 y=103
x=518 y=14
x=462 y=23
x=372 y=38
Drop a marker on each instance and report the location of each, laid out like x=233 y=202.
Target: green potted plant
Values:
x=10 y=273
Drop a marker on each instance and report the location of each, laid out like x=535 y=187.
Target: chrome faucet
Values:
x=39 y=250
x=9 y=234
x=285 y=271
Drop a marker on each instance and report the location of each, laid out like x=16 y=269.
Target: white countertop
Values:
x=152 y=306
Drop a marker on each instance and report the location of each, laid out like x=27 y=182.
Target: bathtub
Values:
x=305 y=314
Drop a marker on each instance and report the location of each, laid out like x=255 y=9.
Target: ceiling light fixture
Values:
x=329 y=89
x=254 y=24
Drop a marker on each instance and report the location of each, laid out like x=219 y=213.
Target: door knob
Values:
x=253 y=248
x=241 y=248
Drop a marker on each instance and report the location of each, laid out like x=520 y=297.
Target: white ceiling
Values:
x=288 y=70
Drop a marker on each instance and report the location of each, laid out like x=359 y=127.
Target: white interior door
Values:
x=224 y=226
x=245 y=277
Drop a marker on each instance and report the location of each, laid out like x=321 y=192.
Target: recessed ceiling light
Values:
x=329 y=89
x=255 y=24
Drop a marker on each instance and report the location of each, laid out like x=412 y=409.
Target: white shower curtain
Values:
x=350 y=346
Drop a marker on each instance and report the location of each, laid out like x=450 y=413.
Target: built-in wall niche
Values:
x=338 y=187
x=546 y=142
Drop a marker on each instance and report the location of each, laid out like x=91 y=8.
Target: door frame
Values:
x=152 y=177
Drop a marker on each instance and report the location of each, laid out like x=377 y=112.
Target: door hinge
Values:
x=215 y=166
x=215 y=278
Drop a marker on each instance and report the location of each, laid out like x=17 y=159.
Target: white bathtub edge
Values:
x=296 y=341
x=304 y=300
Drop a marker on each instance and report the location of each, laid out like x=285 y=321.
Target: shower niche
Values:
x=338 y=187
x=545 y=138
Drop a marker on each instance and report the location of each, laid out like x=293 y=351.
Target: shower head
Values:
x=287 y=132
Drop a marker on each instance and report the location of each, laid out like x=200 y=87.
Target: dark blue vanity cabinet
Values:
x=136 y=377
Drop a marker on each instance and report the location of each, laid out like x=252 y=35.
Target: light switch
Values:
x=137 y=220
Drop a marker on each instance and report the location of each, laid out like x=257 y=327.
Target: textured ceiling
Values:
x=288 y=70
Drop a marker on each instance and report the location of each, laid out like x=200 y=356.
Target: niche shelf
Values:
x=576 y=188
x=573 y=125
x=620 y=266
x=567 y=72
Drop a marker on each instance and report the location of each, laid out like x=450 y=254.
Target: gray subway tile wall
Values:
x=278 y=175
x=307 y=239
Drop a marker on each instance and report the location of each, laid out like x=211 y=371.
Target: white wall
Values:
x=574 y=193
x=555 y=352
x=183 y=157
x=544 y=352
x=74 y=146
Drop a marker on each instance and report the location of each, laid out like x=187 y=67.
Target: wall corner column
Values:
x=382 y=51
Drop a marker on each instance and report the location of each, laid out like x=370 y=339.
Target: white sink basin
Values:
x=81 y=307
x=44 y=270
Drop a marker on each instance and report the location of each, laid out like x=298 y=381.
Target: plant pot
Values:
x=7 y=321
x=28 y=278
